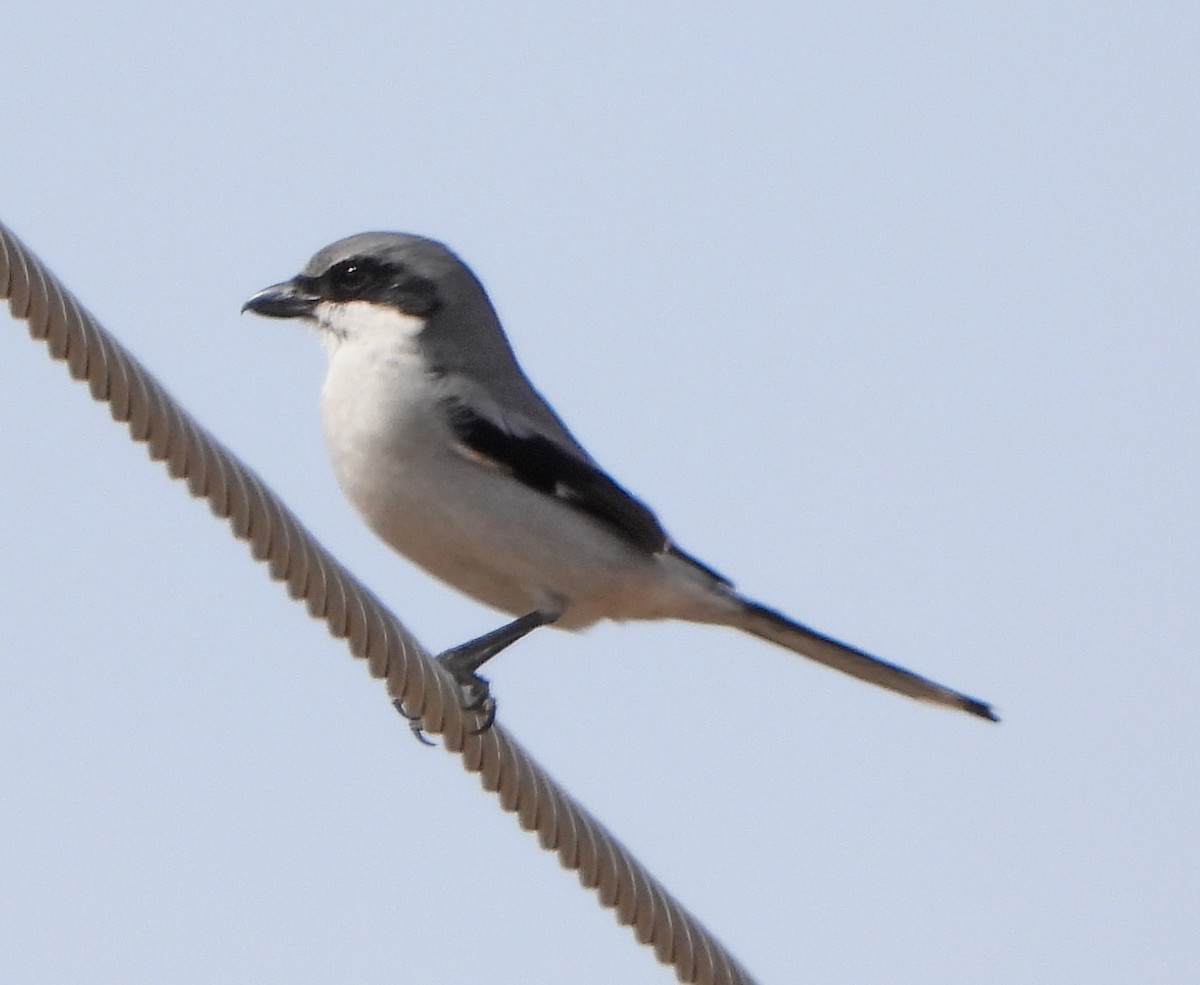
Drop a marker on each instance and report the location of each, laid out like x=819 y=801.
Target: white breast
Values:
x=386 y=439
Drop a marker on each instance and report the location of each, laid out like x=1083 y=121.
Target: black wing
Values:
x=545 y=465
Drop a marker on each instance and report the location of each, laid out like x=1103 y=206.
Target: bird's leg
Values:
x=464 y=660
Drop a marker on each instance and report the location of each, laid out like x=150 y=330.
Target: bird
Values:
x=450 y=455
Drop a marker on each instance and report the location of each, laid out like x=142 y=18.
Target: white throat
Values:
x=379 y=326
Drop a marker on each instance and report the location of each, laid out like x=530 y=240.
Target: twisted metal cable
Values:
x=354 y=614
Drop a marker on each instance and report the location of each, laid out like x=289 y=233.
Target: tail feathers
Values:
x=777 y=628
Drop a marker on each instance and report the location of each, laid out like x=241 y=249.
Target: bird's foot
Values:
x=475 y=696
x=462 y=662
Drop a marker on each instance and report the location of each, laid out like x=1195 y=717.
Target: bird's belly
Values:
x=502 y=543
x=466 y=522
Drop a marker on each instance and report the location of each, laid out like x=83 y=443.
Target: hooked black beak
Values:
x=286 y=300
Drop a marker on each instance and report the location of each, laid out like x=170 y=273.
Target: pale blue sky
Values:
x=890 y=311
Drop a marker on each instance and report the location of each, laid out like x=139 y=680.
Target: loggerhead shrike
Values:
x=453 y=458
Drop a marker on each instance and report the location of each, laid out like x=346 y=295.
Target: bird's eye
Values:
x=349 y=277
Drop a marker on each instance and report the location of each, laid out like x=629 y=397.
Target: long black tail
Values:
x=776 y=627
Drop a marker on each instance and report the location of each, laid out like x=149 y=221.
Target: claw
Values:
x=489 y=717
x=414 y=723
x=461 y=662
x=477 y=697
